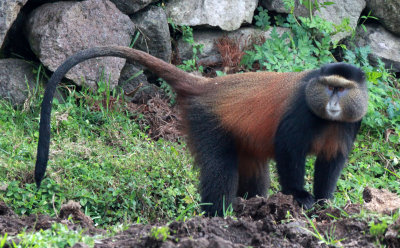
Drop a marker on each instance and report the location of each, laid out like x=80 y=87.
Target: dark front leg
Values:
x=326 y=175
x=293 y=140
x=291 y=170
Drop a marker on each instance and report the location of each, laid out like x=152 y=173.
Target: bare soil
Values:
x=258 y=222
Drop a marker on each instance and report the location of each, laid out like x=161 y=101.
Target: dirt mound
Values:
x=12 y=224
x=274 y=222
x=260 y=222
x=381 y=200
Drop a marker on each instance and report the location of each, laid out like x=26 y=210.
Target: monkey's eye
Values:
x=331 y=88
x=340 y=89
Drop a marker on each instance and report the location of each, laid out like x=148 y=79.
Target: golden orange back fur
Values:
x=251 y=106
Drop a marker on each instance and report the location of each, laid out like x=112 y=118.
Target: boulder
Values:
x=279 y=6
x=131 y=6
x=383 y=44
x=341 y=9
x=16 y=79
x=388 y=13
x=154 y=36
x=58 y=30
x=135 y=85
x=9 y=10
x=334 y=13
x=225 y=14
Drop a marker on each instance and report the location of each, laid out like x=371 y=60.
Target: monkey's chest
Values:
x=328 y=143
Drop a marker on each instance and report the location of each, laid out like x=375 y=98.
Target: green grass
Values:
x=100 y=159
x=57 y=236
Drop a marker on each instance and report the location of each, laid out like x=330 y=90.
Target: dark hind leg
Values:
x=216 y=155
x=253 y=177
x=218 y=183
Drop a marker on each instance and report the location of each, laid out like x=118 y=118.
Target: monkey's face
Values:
x=336 y=98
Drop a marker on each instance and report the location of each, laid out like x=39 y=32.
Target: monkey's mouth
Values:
x=333 y=113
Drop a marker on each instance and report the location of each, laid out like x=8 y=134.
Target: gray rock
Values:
x=226 y=14
x=154 y=33
x=9 y=10
x=388 y=12
x=293 y=229
x=334 y=13
x=138 y=88
x=341 y=9
x=131 y=6
x=383 y=44
x=208 y=38
x=15 y=77
x=58 y=30
x=278 y=6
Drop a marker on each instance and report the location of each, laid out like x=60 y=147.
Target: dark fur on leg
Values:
x=256 y=183
x=216 y=155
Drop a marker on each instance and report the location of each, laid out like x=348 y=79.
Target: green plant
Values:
x=289 y=5
x=160 y=233
x=220 y=73
x=57 y=236
x=187 y=65
x=133 y=42
x=306 y=46
x=377 y=229
x=262 y=19
x=3 y=240
x=364 y=18
x=312 y=5
x=187 y=36
x=168 y=90
x=328 y=238
x=227 y=211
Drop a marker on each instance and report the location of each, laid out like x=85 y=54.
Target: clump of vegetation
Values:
x=57 y=236
x=100 y=158
x=160 y=233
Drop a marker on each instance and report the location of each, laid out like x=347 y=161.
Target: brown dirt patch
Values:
x=274 y=222
x=158 y=119
x=381 y=200
x=13 y=224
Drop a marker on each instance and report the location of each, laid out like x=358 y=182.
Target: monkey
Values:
x=237 y=123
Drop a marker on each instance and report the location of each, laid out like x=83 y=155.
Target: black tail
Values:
x=183 y=82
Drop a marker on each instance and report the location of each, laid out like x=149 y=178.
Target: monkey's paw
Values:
x=305 y=199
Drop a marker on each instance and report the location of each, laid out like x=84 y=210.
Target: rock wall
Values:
x=56 y=29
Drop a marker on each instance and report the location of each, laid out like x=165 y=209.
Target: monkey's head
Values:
x=338 y=93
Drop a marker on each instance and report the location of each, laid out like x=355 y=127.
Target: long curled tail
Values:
x=185 y=84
